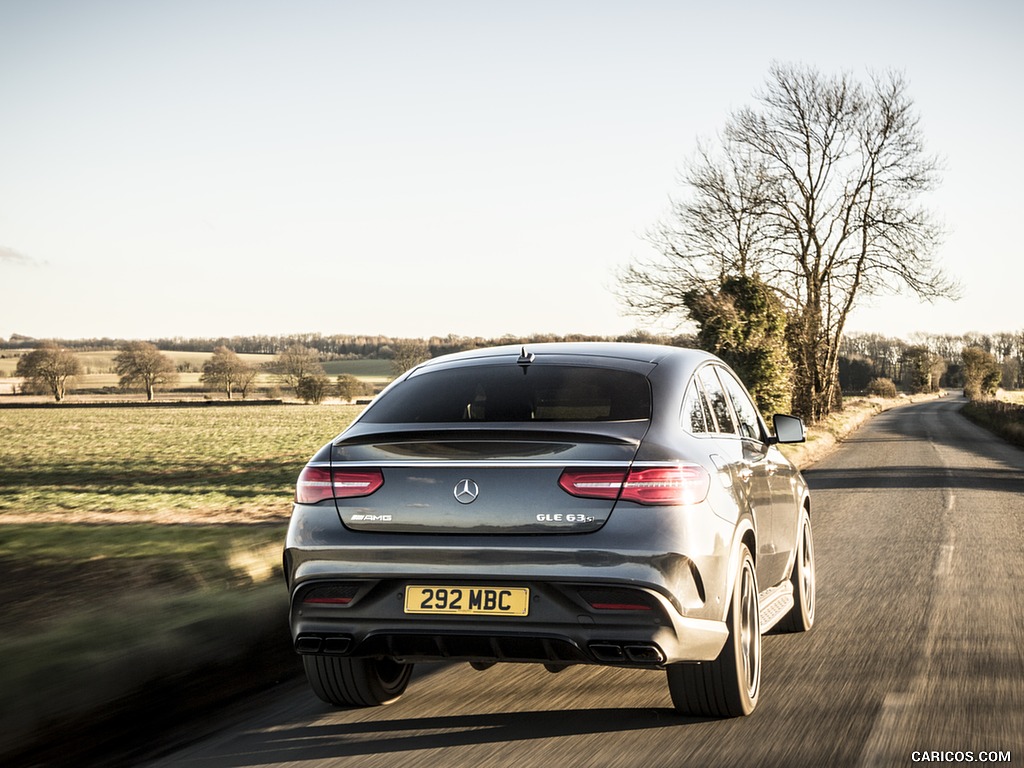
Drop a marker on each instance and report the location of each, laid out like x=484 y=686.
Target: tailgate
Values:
x=481 y=481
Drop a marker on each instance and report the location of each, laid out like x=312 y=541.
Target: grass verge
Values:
x=112 y=632
x=1005 y=419
x=104 y=685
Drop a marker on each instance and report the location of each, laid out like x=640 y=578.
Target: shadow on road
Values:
x=872 y=478
x=301 y=743
x=895 y=427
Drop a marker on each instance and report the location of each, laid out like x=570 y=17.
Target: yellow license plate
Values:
x=478 y=601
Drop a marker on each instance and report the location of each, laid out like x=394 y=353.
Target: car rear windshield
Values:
x=514 y=393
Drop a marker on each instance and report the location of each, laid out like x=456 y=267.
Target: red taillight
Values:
x=592 y=484
x=314 y=485
x=356 y=483
x=320 y=483
x=681 y=484
x=678 y=484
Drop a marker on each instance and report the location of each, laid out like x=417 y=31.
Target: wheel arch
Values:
x=745 y=535
x=805 y=507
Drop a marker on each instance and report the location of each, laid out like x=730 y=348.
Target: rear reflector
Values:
x=678 y=484
x=620 y=607
x=320 y=483
x=330 y=594
x=617 y=599
x=328 y=600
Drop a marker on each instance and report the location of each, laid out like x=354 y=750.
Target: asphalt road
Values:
x=918 y=647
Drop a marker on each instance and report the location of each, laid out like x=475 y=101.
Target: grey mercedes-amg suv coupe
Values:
x=576 y=503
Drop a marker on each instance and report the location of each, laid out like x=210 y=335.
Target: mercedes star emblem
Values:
x=466 y=491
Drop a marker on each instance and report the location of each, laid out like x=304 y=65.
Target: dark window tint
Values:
x=506 y=393
x=719 y=400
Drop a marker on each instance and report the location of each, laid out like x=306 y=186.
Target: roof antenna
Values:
x=525 y=358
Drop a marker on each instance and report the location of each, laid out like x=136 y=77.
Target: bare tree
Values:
x=297 y=363
x=350 y=387
x=246 y=378
x=816 y=193
x=408 y=354
x=140 y=363
x=226 y=371
x=49 y=367
x=721 y=230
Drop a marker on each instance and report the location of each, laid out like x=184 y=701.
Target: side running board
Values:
x=774 y=604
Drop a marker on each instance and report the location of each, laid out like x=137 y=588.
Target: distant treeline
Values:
x=337 y=346
x=864 y=356
x=867 y=356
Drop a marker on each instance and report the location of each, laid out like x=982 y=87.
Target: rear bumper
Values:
x=682 y=618
x=561 y=628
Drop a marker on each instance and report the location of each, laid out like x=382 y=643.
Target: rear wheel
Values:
x=356 y=682
x=801 y=616
x=728 y=686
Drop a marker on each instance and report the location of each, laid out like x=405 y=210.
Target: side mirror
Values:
x=788 y=429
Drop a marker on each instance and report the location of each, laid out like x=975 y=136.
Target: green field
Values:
x=135 y=538
x=370 y=370
x=194 y=464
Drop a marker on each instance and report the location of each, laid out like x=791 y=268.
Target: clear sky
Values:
x=223 y=167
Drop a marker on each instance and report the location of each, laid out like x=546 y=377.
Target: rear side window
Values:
x=506 y=393
x=696 y=417
x=719 y=400
x=746 y=413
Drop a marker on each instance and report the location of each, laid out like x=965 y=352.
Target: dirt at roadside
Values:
x=251 y=513
x=30 y=599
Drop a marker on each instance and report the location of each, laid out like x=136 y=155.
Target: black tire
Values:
x=801 y=616
x=730 y=685
x=356 y=682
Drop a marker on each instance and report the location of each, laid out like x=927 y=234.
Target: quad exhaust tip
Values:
x=623 y=653
x=605 y=653
x=333 y=645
